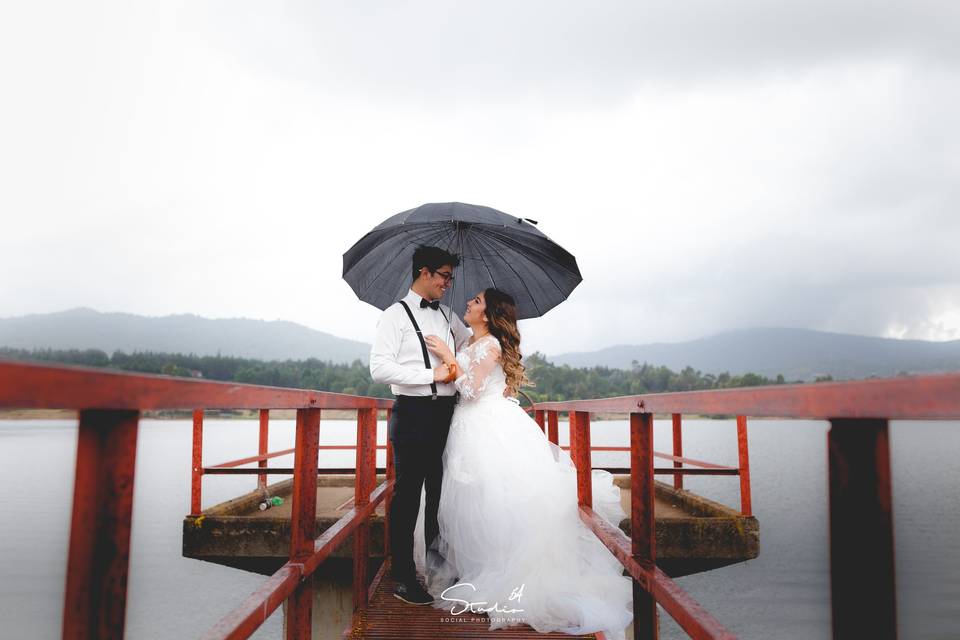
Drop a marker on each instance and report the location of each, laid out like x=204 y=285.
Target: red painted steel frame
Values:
x=262 y=447
x=246 y=618
x=196 y=475
x=677 y=449
x=538 y=417
x=687 y=612
x=303 y=519
x=642 y=521
x=98 y=558
x=391 y=478
x=363 y=486
x=553 y=427
x=580 y=454
x=99 y=552
x=743 y=453
x=36 y=386
x=916 y=398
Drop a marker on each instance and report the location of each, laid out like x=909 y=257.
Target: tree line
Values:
x=552 y=382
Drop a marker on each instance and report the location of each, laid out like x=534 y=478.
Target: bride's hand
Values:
x=440 y=348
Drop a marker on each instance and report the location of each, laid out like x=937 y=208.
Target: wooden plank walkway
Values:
x=389 y=618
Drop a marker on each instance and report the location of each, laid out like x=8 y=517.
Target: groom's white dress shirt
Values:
x=397 y=357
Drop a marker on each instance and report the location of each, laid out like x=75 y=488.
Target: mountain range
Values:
x=242 y=337
x=798 y=354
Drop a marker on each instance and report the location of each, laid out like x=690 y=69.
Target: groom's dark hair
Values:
x=432 y=258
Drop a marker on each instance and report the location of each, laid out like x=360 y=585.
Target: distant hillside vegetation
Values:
x=552 y=382
x=798 y=354
x=239 y=337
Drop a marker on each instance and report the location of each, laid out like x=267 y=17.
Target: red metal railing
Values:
x=234 y=467
x=863 y=592
x=550 y=418
x=109 y=406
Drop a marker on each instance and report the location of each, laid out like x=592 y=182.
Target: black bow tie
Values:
x=433 y=305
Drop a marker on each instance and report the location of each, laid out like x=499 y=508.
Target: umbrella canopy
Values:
x=496 y=250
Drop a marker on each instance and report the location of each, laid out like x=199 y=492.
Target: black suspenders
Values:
x=423 y=345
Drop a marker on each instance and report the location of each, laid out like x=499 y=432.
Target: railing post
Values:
x=642 y=522
x=553 y=427
x=538 y=417
x=391 y=476
x=263 y=447
x=863 y=590
x=303 y=518
x=196 y=475
x=580 y=454
x=366 y=478
x=746 y=506
x=677 y=449
x=99 y=552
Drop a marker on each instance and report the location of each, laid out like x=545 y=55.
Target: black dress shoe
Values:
x=412 y=593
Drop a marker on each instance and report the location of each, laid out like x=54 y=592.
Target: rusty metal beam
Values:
x=263 y=447
x=673 y=471
x=580 y=455
x=538 y=417
x=863 y=589
x=37 y=386
x=278 y=471
x=677 y=421
x=336 y=533
x=303 y=520
x=642 y=522
x=99 y=552
x=257 y=607
x=363 y=485
x=553 y=427
x=687 y=612
x=916 y=397
x=391 y=477
x=743 y=455
x=263 y=457
x=196 y=473
x=244 y=620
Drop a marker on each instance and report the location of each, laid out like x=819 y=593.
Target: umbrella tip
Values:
x=520 y=220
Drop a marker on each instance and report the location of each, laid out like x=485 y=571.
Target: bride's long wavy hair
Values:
x=501 y=314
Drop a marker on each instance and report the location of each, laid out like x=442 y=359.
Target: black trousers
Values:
x=418 y=431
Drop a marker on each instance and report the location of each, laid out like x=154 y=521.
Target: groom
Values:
x=423 y=408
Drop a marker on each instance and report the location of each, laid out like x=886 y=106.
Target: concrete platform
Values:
x=693 y=534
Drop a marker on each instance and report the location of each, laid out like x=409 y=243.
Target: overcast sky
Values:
x=712 y=165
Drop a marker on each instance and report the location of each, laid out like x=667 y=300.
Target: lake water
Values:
x=782 y=594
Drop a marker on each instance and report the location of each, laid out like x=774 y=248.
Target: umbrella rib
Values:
x=480 y=256
x=507 y=242
x=389 y=263
x=505 y=246
x=510 y=266
x=493 y=232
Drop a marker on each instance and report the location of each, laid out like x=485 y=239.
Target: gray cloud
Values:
x=712 y=166
x=451 y=52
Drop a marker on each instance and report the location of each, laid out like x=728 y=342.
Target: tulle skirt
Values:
x=510 y=533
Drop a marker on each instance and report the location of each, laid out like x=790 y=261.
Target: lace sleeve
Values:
x=477 y=363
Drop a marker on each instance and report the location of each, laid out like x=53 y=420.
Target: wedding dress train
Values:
x=511 y=540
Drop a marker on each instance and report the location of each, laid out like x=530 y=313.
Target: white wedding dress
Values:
x=509 y=521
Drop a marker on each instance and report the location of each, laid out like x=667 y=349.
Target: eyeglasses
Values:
x=446 y=275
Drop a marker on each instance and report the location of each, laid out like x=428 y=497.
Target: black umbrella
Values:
x=497 y=250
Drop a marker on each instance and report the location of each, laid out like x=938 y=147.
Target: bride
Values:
x=511 y=541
